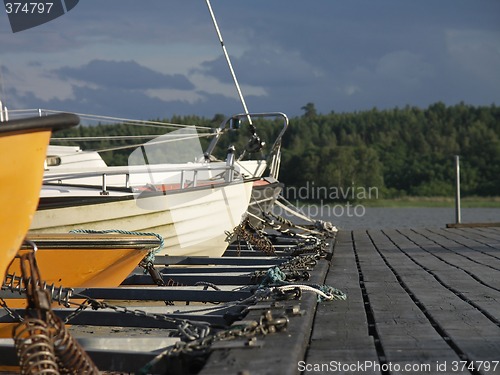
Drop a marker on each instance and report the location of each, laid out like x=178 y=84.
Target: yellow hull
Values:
x=82 y=260
x=23 y=145
x=97 y=264
x=21 y=176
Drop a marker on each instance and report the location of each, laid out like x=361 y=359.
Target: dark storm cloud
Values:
x=340 y=55
x=127 y=75
x=128 y=104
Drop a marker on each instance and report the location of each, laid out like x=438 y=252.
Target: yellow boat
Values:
x=69 y=260
x=80 y=260
x=87 y=260
x=23 y=146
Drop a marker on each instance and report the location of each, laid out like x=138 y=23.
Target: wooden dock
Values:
x=415 y=297
x=421 y=301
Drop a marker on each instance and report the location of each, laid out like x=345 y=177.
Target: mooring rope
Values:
x=276 y=278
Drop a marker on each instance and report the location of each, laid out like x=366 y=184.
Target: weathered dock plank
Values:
x=341 y=329
x=473 y=225
x=459 y=270
x=491 y=233
x=280 y=352
x=455 y=316
x=405 y=334
x=419 y=301
x=473 y=240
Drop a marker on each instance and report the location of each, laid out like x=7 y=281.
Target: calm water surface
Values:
x=384 y=218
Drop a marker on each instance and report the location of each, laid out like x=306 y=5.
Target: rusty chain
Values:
x=267 y=324
x=246 y=232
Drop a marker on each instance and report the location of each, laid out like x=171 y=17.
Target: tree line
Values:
x=401 y=152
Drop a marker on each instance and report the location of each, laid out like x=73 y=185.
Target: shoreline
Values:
x=429 y=202
x=414 y=202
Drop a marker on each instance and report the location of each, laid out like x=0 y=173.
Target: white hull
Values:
x=192 y=222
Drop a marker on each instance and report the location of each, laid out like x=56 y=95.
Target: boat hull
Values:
x=80 y=260
x=19 y=207
x=23 y=146
x=87 y=260
x=191 y=221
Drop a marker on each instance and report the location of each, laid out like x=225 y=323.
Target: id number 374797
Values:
x=28 y=8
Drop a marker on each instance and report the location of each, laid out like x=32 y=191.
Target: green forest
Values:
x=401 y=152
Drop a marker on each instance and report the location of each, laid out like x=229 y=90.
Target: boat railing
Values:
x=137 y=178
x=14 y=114
x=235 y=121
x=4 y=113
x=273 y=158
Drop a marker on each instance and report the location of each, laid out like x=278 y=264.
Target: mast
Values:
x=228 y=61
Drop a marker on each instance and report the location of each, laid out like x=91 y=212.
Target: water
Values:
x=385 y=217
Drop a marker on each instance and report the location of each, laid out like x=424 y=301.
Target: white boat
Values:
x=192 y=221
x=193 y=205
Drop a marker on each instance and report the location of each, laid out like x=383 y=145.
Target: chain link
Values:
x=267 y=324
x=12 y=313
x=252 y=236
x=185 y=327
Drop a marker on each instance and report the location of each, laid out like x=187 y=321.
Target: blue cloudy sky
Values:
x=156 y=58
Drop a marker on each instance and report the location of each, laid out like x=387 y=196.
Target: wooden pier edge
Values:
x=280 y=352
x=472 y=225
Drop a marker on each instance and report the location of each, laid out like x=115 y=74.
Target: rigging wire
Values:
x=107 y=138
x=157 y=142
x=122 y=120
